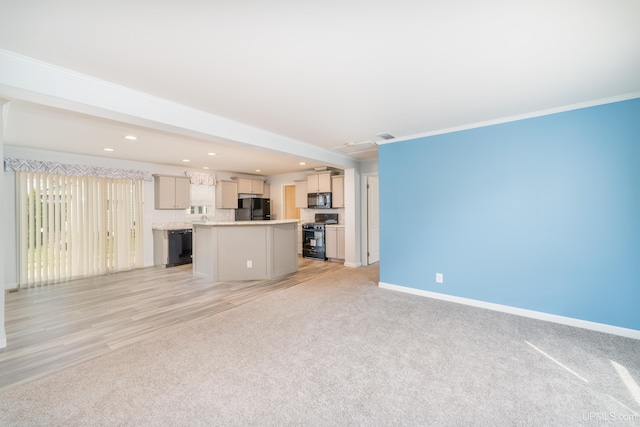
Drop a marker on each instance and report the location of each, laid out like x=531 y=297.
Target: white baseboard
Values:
x=3 y=339
x=569 y=321
x=10 y=286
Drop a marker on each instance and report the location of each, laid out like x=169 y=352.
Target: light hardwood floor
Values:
x=52 y=327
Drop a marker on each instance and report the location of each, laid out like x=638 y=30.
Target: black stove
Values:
x=322 y=219
x=313 y=233
x=325 y=218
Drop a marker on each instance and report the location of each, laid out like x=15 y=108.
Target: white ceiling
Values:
x=322 y=73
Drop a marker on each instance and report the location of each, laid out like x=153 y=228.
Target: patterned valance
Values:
x=201 y=178
x=23 y=165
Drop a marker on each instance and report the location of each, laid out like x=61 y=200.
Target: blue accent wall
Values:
x=541 y=214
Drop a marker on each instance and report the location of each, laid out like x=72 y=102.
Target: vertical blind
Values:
x=77 y=226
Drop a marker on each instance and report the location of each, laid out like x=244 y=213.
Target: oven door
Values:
x=313 y=243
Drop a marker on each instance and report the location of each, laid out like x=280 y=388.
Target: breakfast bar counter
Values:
x=245 y=250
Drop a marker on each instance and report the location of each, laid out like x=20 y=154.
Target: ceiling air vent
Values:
x=386 y=135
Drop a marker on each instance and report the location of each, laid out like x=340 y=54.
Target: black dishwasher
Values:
x=180 y=247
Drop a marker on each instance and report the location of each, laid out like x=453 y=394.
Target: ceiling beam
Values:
x=34 y=81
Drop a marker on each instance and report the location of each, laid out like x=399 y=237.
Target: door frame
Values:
x=364 y=217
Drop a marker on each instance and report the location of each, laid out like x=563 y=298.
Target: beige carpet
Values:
x=338 y=350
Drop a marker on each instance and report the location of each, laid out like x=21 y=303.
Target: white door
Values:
x=373 y=220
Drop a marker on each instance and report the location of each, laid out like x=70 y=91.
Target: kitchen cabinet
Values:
x=227 y=195
x=319 y=183
x=334 y=241
x=171 y=192
x=266 y=194
x=250 y=186
x=301 y=194
x=337 y=191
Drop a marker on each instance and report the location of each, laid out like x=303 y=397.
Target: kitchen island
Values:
x=245 y=250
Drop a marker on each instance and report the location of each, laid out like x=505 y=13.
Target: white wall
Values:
x=369 y=167
x=3 y=231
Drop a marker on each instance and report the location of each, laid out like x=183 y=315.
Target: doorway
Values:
x=290 y=209
x=373 y=220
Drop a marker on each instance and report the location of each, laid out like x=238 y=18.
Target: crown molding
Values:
x=508 y=119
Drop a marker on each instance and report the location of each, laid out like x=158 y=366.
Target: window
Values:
x=202 y=199
x=77 y=226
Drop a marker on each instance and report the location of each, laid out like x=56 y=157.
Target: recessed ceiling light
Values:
x=302 y=163
x=108 y=149
x=131 y=137
x=258 y=170
x=186 y=160
x=211 y=154
x=205 y=167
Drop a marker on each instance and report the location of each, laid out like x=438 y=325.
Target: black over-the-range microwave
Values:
x=319 y=200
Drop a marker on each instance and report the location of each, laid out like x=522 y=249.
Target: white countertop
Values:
x=172 y=226
x=231 y=223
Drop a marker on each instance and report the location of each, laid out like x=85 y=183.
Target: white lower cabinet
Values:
x=340 y=242
x=334 y=240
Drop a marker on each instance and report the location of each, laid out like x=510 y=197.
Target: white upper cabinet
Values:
x=334 y=236
x=250 y=186
x=227 y=195
x=337 y=191
x=171 y=192
x=301 y=194
x=319 y=183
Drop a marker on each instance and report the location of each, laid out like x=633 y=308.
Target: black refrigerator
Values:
x=253 y=209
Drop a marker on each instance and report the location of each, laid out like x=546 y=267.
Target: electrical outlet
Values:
x=439 y=278
x=249 y=264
